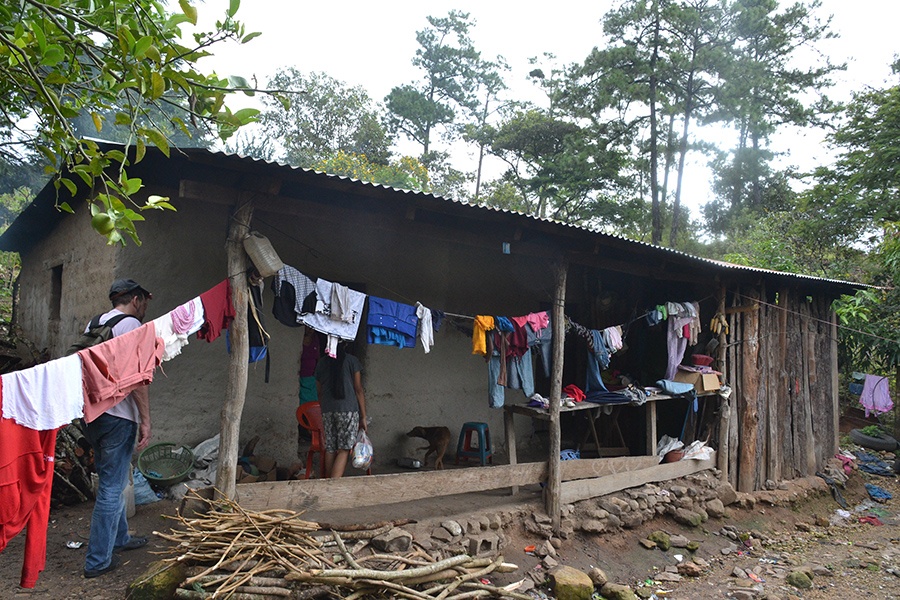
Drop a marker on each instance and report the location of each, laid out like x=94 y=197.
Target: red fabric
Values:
x=26 y=478
x=574 y=392
x=111 y=370
x=218 y=311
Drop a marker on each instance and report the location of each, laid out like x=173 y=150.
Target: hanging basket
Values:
x=165 y=464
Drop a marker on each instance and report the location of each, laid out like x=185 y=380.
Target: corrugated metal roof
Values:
x=709 y=261
x=41 y=216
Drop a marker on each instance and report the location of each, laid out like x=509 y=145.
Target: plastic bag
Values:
x=362 y=451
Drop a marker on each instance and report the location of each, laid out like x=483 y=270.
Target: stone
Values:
x=725 y=492
x=441 y=534
x=690 y=569
x=743 y=594
x=472 y=526
x=159 y=580
x=495 y=521
x=541 y=529
x=805 y=527
x=395 y=540
x=541 y=518
x=662 y=540
x=549 y=562
x=799 y=580
x=556 y=542
x=598 y=576
x=593 y=525
x=614 y=591
x=570 y=584
x=687 y=517
x=820 y=571
x=667 y=577
x=648 y=544
x=484 y=522
x=701 y=562
x=684 y=502
x=598 y=513
x=678 y=490
x=630 y=520
x=715 y=508
x=692 y=546
x=453 y=527
x=679 y=541
x=645 y=593
x=739 y=573
x=545 y=548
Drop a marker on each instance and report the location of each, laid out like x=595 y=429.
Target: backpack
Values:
x=96 y=333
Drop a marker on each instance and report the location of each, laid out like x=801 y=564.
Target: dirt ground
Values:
x=861 y=558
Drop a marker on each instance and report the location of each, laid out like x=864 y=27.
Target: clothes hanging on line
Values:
x=391 y=323
x=218 y=311
x=177 y=325
x=115 y=368
x=321 y=320
x=26 y=481
x=426 y=329
x=517 y=373
x=295 y=295
x=482 y=324
x=876 y=395
x=46 y=396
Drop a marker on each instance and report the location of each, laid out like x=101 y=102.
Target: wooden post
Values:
x=747 y=402
x=554 y=480
x=724 y=403
x=236 y=388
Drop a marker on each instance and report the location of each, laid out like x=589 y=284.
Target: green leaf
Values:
x=53 y=55
x=69 y=184
x=117 y=155
x=39 y=37
x=65 y=207
x=246 y=115
x=238 y=82
x=131 y=186
x=98 y=122
x=189 y=11
x=158 y=139
x=250 y=36
x=233 y=7
x=140 y=150
x=157 y=85
x=153 y=54
x=142 y=46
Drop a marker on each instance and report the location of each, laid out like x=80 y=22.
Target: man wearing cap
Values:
x=112 y=436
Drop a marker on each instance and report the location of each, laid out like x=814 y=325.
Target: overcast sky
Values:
x=372 y=43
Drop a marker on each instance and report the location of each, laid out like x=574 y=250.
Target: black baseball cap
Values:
x=120 y=287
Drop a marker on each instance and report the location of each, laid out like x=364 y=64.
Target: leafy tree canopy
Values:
x=406 y=173
x=325 y=116
x=113 y=61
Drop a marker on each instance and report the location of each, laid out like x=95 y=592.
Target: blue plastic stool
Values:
x=484 y=450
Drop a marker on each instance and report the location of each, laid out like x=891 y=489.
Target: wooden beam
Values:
x=749 y=414
x=589 y=468
x=552 y=499
x=725 y=407
x=742 y=309
x=352 y=492
x=236 y=386
x=574 y=491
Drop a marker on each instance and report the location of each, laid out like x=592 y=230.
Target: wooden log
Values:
x=573 y=491
x=552 y=498
x=747 y=405
x=779 y=398
x=808 y=446
x=236 y=387
x=792 y=456
x=350 y=492
x=725 y=404
x=736 y=332
x=764 y=328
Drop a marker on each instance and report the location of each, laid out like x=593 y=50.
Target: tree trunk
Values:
x=656 y=208
x=683 y=147
x=554 y=481
x=236 y=388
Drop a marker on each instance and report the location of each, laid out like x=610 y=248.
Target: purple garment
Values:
x=876 y=395
x=675 y=345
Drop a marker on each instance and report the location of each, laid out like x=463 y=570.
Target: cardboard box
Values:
x=702 y=382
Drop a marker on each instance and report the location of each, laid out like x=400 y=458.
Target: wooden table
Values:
x=509 y=410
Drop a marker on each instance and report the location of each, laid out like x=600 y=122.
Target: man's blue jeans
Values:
x=113 y=441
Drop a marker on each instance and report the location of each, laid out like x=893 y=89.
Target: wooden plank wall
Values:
x=779 y=363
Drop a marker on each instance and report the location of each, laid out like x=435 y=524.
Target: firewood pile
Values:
x=72 y=468
x=247 y=555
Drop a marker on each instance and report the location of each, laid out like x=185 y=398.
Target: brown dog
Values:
x=437 y=438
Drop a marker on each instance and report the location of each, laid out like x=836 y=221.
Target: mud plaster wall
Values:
x=183 y=255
